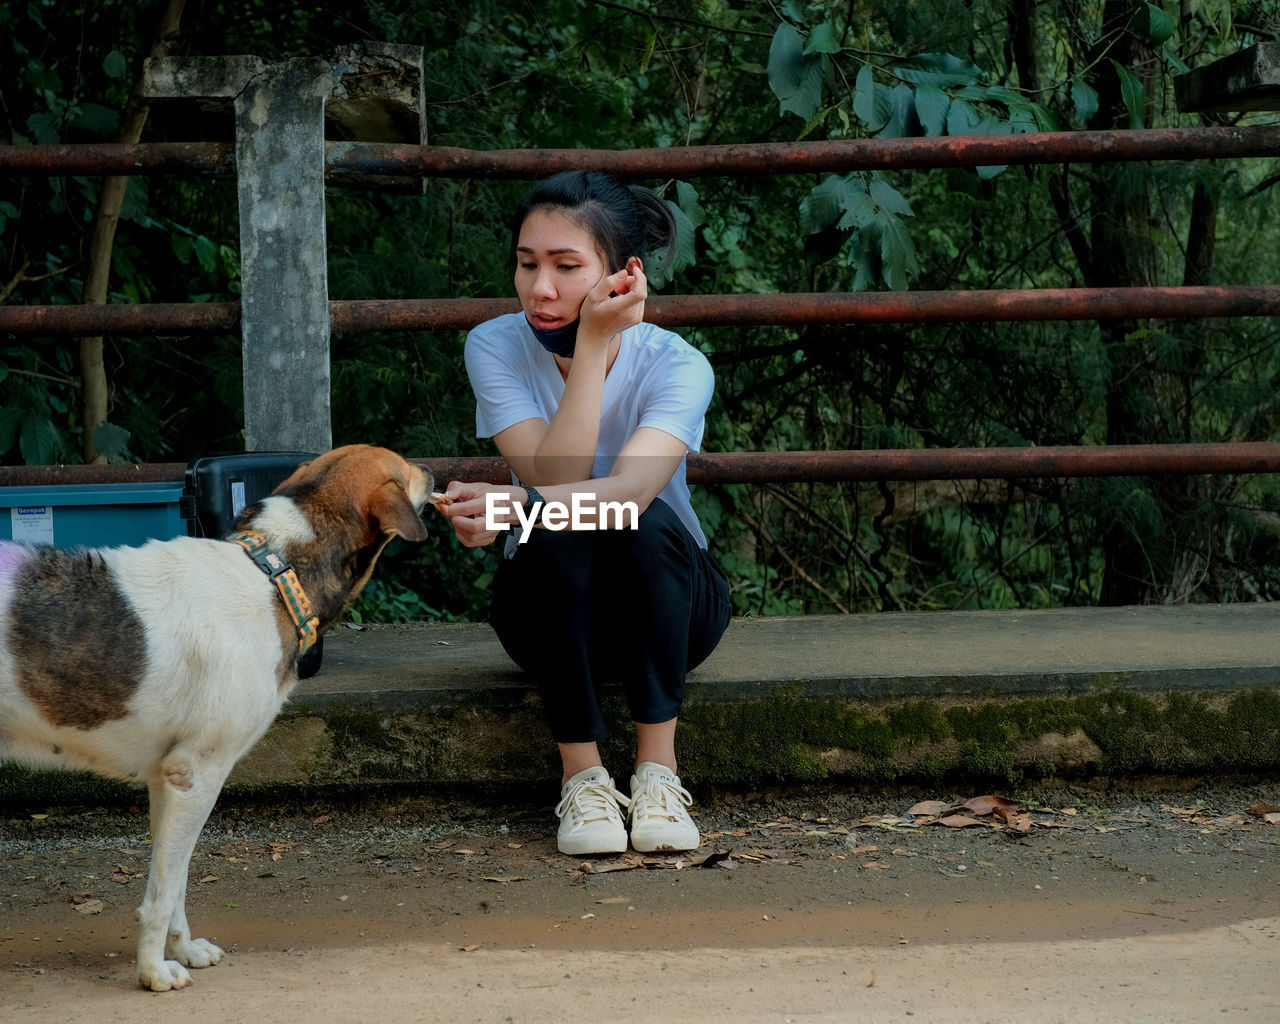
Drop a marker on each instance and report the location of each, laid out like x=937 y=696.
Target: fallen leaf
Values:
x=958 y=821
x=469 y=949
x=873 y=979
x=865 y=849
x=877 y=865
x=627 y=862
x=1070 y=812
x=586 y=917
x=89 y=907
x=39 y=817
x=1263 y=809
x=1272 y=819
x=981 y=805
x=505 y=878
x=929 y=808
x=615 y=899
x=209 y=878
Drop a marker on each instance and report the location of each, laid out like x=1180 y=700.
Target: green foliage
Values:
x=576 y=73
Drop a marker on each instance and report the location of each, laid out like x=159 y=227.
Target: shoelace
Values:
x=591 y=800
x=654 y=795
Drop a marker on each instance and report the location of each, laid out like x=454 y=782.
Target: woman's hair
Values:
x=625 y=221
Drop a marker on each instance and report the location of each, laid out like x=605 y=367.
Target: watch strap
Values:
x=534 y=506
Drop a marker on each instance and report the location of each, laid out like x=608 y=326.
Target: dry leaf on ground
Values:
x=930 y=808
x=981 y=805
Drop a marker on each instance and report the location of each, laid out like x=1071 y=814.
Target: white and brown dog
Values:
x=165 y=663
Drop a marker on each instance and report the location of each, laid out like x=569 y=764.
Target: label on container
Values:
x=32 y=524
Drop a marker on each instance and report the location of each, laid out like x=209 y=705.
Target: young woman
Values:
x=591 y=406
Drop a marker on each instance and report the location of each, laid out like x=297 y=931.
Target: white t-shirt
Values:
x=658 y=380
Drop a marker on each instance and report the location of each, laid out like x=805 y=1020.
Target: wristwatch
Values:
x=534 y=507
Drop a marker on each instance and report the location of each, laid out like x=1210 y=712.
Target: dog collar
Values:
x=285 y=578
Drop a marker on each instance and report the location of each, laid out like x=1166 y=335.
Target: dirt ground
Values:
x=1141 y=904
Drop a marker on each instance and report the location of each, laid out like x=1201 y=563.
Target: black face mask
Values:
x=559 y=341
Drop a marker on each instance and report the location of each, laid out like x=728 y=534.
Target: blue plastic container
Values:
x=93 y=515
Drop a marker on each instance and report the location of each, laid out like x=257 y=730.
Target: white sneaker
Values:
x=659 y=820
x=590 y=817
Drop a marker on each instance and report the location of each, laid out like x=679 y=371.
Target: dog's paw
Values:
x=166 y=975
x=195 y=953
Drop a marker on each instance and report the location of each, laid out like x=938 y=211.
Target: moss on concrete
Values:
x=786 y=737
x=1107 y=732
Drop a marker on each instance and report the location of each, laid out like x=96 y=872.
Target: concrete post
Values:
x=284 y=301
x=1246 y=80
x=280 y=166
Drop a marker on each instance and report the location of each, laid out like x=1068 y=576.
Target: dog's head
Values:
x=335 y=514
x=386 y=492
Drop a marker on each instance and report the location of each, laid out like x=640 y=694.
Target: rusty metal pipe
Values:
x=365 y=158
x=811 y=157
x=362 y=316
x=215 y=159
x=985 y=463
x=848 y=307
x=813 y=467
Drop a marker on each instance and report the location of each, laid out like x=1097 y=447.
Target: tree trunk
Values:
x=93 y=372
x=1124 y=257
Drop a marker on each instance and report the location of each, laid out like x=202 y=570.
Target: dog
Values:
x=166 y=663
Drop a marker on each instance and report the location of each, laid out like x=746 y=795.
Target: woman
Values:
x=591 y=405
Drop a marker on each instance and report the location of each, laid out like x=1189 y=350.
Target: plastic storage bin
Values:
x=218 y=489
x=91 y=515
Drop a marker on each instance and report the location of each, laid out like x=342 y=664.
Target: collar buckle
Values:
x=285 y=578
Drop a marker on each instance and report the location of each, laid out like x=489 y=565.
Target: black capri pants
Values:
x=641 y=606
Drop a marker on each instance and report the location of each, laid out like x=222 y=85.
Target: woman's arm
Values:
x=640 y=472
x=564 y=450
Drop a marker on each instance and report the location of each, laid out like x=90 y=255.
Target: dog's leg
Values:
x=182 y=795
x=178 y=943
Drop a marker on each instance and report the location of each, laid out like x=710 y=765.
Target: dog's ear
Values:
x=392 y=510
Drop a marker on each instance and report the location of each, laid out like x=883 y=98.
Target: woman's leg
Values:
x=673 y=605
x=676 y=608
x=544 y=610
x=577 y=757
x=656 y=742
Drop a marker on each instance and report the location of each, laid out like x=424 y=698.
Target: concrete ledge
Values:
x=1010 y=696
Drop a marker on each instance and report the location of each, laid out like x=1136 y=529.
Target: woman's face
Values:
x=557 y=263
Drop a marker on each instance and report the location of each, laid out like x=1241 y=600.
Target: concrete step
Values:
x=1007 y=695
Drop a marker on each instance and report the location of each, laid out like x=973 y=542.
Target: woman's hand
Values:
x=615 y=303
x=472 y=514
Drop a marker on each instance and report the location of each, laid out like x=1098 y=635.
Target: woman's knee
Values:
x=659 y=537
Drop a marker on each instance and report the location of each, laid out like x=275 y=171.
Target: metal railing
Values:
x=343 y=158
